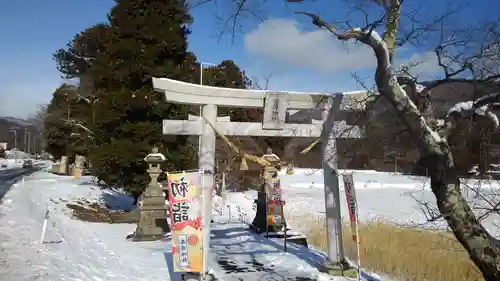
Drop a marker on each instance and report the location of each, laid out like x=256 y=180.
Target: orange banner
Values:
x=184 y=195
x=275 y=204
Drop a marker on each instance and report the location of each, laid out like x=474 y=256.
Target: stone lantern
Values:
x=269 y=174
x=152 y=223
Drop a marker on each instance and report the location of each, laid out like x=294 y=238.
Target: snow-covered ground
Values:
x=10 y=163
x=381 y=196
x=73 y=250
x=16 y=154
x=14 y=159
x=76 y=250
x=13 y=166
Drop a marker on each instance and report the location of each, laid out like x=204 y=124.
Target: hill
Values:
x=24 y=128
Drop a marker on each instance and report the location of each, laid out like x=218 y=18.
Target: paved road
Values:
x=10 y=176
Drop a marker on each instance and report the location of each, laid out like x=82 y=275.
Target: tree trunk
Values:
x=483 y=250
x=480 y=245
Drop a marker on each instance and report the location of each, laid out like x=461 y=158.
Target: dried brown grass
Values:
x=405 y=254
x=94 y=212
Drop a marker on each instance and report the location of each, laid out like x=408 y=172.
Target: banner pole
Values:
x=358 y=241
x=223 y=189
x=204 y=207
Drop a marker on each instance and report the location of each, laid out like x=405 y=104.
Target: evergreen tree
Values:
x=82 y=51
x=148 y=39
x=143 y=39
x=61 y=136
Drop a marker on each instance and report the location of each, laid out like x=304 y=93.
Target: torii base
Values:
x=339 y=269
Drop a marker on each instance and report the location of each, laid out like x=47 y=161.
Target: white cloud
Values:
x=421 y=64
x=283 y=42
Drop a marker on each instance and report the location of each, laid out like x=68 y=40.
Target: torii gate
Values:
x=276 y=106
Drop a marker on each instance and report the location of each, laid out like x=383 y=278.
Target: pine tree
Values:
x=116 y=60
x=57 y=131
x=145 y=39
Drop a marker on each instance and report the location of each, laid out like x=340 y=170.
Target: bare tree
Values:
x=436 y=153
x=468 y=55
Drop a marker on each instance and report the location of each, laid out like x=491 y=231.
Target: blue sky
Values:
x=296 y=55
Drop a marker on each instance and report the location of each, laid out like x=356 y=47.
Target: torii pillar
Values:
x=275 y=106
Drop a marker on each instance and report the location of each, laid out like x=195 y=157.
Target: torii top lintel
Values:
x=188 y=93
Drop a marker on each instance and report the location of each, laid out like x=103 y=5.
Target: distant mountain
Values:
x=17 y=121
x=9 y=124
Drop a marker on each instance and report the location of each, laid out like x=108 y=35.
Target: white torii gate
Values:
x=276 y=105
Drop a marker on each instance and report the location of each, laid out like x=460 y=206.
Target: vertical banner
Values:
x=350 y=196
x=352 y=206
x=275 y=204
x=223 y=189
x=184 y=195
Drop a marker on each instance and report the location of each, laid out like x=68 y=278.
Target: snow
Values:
x=14 y=159
x=10 y=164
x=16 y=154
x=239 y=254
x=389 y=197
x=76 y=250
x=73 y=250
x=484 y=110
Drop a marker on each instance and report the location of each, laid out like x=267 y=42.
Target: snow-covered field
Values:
x=81 y=251
x=381 y=196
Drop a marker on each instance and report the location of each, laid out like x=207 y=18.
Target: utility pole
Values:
x=15 y=138
x=29 y=144
x=34 y=147
x=14 y=130
x=25 y=139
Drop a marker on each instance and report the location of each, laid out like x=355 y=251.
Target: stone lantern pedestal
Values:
x=260 y=222
x=79 y=166
x=64 y=166
x=153 y=211
x=267 y=192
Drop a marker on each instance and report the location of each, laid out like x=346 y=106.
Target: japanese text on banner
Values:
x=275 y=204
x=350 y=195
x=184 y=195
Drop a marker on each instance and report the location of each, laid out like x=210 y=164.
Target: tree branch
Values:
x=482 y=106
x=435 y=153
